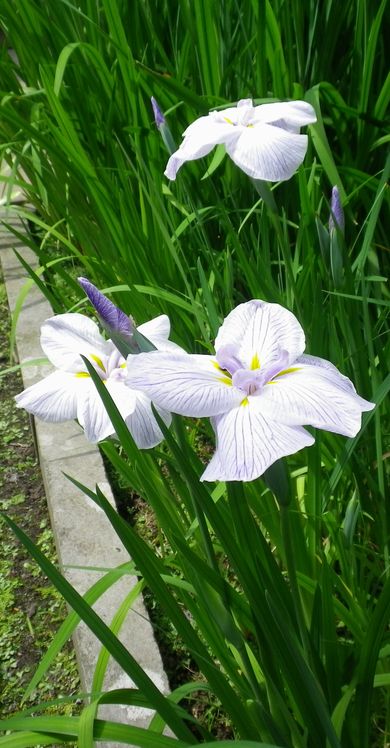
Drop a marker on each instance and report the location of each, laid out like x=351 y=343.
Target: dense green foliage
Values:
x=310 y=668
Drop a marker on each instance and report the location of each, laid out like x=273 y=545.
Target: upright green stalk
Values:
x=292 y=576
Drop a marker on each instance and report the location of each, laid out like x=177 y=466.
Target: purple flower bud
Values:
x=336 y=218
x=111 y=316
x=158 y=115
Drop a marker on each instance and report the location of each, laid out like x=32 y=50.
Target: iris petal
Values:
x=315 y=395
x=291 y=115
x=199 y=139
x=248 y=443
x=157 y=330
x=191 y=385
x=53 y=399
x=268 y=152
x=143 y=425
x=93 y=416
x=264 y=332
x=66 y=336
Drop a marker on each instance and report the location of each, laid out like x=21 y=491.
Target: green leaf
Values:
x=102 y=631
x=368 y=661
x=72 y=620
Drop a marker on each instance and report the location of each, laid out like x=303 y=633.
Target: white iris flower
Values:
x=69 y=392
x=264 y=141
x=258 y=388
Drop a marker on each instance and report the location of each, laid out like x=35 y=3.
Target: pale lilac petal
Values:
x=199 y=139
x=268 y=152
x=191 y=385
x=264 y=333
x=157 y=330
x=92 y=414
x=322 y=363
x=143 y=425
x=124 y=398
x=93 y=417
x=53 y=399
x=248 y=443
x=231 y=332
x=66 y=336
x=159 y=327
x=315 y=395
x=290 y=115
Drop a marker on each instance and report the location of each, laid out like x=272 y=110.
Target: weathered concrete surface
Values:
x=83 y=535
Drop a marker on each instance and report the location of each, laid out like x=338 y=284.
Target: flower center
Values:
x=227 y=358
x=250 y=380
x=113 y=366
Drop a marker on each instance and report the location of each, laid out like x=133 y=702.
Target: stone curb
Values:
x=83 y=534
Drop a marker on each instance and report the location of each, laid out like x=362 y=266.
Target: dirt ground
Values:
x=30 y=608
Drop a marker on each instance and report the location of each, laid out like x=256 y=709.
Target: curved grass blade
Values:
x=104 y=634
x=104 y=730
x=71 y=621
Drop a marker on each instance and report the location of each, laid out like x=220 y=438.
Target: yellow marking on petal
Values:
x=97 y=361
x=225 y=380
x=255 y=363
x=288 y=371
x=123 y=366
x=245 y=401
x=250 y=125
x=285 y=371
x=82 y=374
x=228 y=121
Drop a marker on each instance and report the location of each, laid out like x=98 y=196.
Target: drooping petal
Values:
x=292 y=115
x=248 y=443
x=314 y=395
x=191 y=385
x=322 y=363
x=93 y=416
x=143 y=425
x=53 y=399
x=199 y=139
x=66 y=336
x=263 y=333
x=268 y=152
x=157 y=330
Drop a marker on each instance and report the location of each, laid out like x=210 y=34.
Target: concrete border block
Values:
x=83 y=535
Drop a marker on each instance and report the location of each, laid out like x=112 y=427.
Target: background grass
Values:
x=76 y=121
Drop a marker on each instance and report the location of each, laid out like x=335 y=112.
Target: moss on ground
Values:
x=31 y=610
